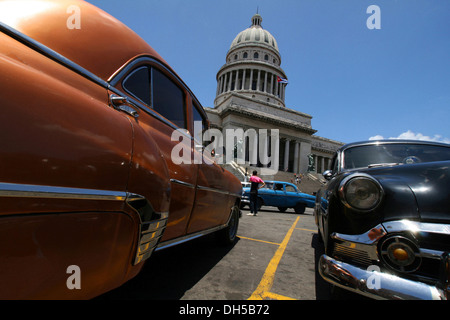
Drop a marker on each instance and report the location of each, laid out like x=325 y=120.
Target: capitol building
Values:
x=251 y=91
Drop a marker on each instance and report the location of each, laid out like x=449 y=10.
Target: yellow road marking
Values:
x=263 y=289
x=277 y=244
x=306 y=229
x=275 y=296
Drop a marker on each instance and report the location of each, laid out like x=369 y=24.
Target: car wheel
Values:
x=282 y=209
x=228 y=235
x=259 y=203
x=299 y=208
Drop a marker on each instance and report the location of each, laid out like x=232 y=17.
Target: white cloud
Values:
x=377 y=137
x=409 y=135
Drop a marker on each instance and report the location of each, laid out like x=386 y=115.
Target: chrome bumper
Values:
x=376 y=285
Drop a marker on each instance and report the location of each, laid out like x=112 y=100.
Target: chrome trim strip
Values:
x=49 y=53
x=219 y=191
x=374 y=284
x=415 y=226
x=370 y=237
x=189 y=237
x=202 y=188
x=182 y=183
x=177 y=241
x=15 y=190
x=237 y=195
x=363 y=242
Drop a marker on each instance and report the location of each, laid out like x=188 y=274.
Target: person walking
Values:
x=256 y=182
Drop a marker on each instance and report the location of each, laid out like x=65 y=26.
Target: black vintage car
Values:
x=384 y=218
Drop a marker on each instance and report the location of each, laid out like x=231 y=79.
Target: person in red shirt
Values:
x=256 y=182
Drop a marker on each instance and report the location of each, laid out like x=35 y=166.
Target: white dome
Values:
x=255 y=35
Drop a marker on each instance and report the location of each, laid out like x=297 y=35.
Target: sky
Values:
x=358 y=83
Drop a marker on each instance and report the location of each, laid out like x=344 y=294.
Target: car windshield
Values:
x=393 y=154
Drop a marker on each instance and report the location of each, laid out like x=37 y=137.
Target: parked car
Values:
x=88 y=185
x=282 y=195
x=384 y=217
x=246 y=184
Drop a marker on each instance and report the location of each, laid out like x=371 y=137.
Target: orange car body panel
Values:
x=101 y=45
x=82 y=183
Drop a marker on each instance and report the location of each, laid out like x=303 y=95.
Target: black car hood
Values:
x=429 y=185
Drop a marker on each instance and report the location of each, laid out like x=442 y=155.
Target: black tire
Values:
x=299 y=208
x=228 y=235
x=259 y=203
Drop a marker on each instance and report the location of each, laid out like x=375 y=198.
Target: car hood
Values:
x=426 y=184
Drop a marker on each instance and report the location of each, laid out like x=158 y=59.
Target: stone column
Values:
x=296 y=149
x=258 y=83
x=218 y=86
x=265 y=82
x=305 y=151
x=253 y=153
x=315 y=163
x=277 y=86
x=225 y=82
x=286 y=155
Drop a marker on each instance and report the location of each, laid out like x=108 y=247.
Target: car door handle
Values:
x=122 y=104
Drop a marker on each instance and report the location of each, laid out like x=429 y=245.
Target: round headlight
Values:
x=361 y=192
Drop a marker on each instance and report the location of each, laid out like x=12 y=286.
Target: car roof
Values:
x=274 y=181
x=392 y=141
x=101 y=45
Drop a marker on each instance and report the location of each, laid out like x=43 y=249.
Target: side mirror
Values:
x=327 y=175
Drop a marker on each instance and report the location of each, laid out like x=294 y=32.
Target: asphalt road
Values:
x=274 y=258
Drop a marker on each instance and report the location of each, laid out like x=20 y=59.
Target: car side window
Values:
x=279 y=187
x=290 y=189
x=168 y=99
x=199 y=125
x=155 y=89
x=137 y=84
x=335 y=164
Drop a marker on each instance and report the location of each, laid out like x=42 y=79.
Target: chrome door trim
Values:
x=213 y=190
x=202 y=188
x=182 y=183
x=15 y=190
x=189 y=237
x=180 y=240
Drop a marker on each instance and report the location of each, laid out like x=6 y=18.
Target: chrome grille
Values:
x=351 y=254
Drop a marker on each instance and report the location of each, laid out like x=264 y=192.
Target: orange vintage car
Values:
x=88 y=186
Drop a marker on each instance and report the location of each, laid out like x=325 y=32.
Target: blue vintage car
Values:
x=282 y=195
